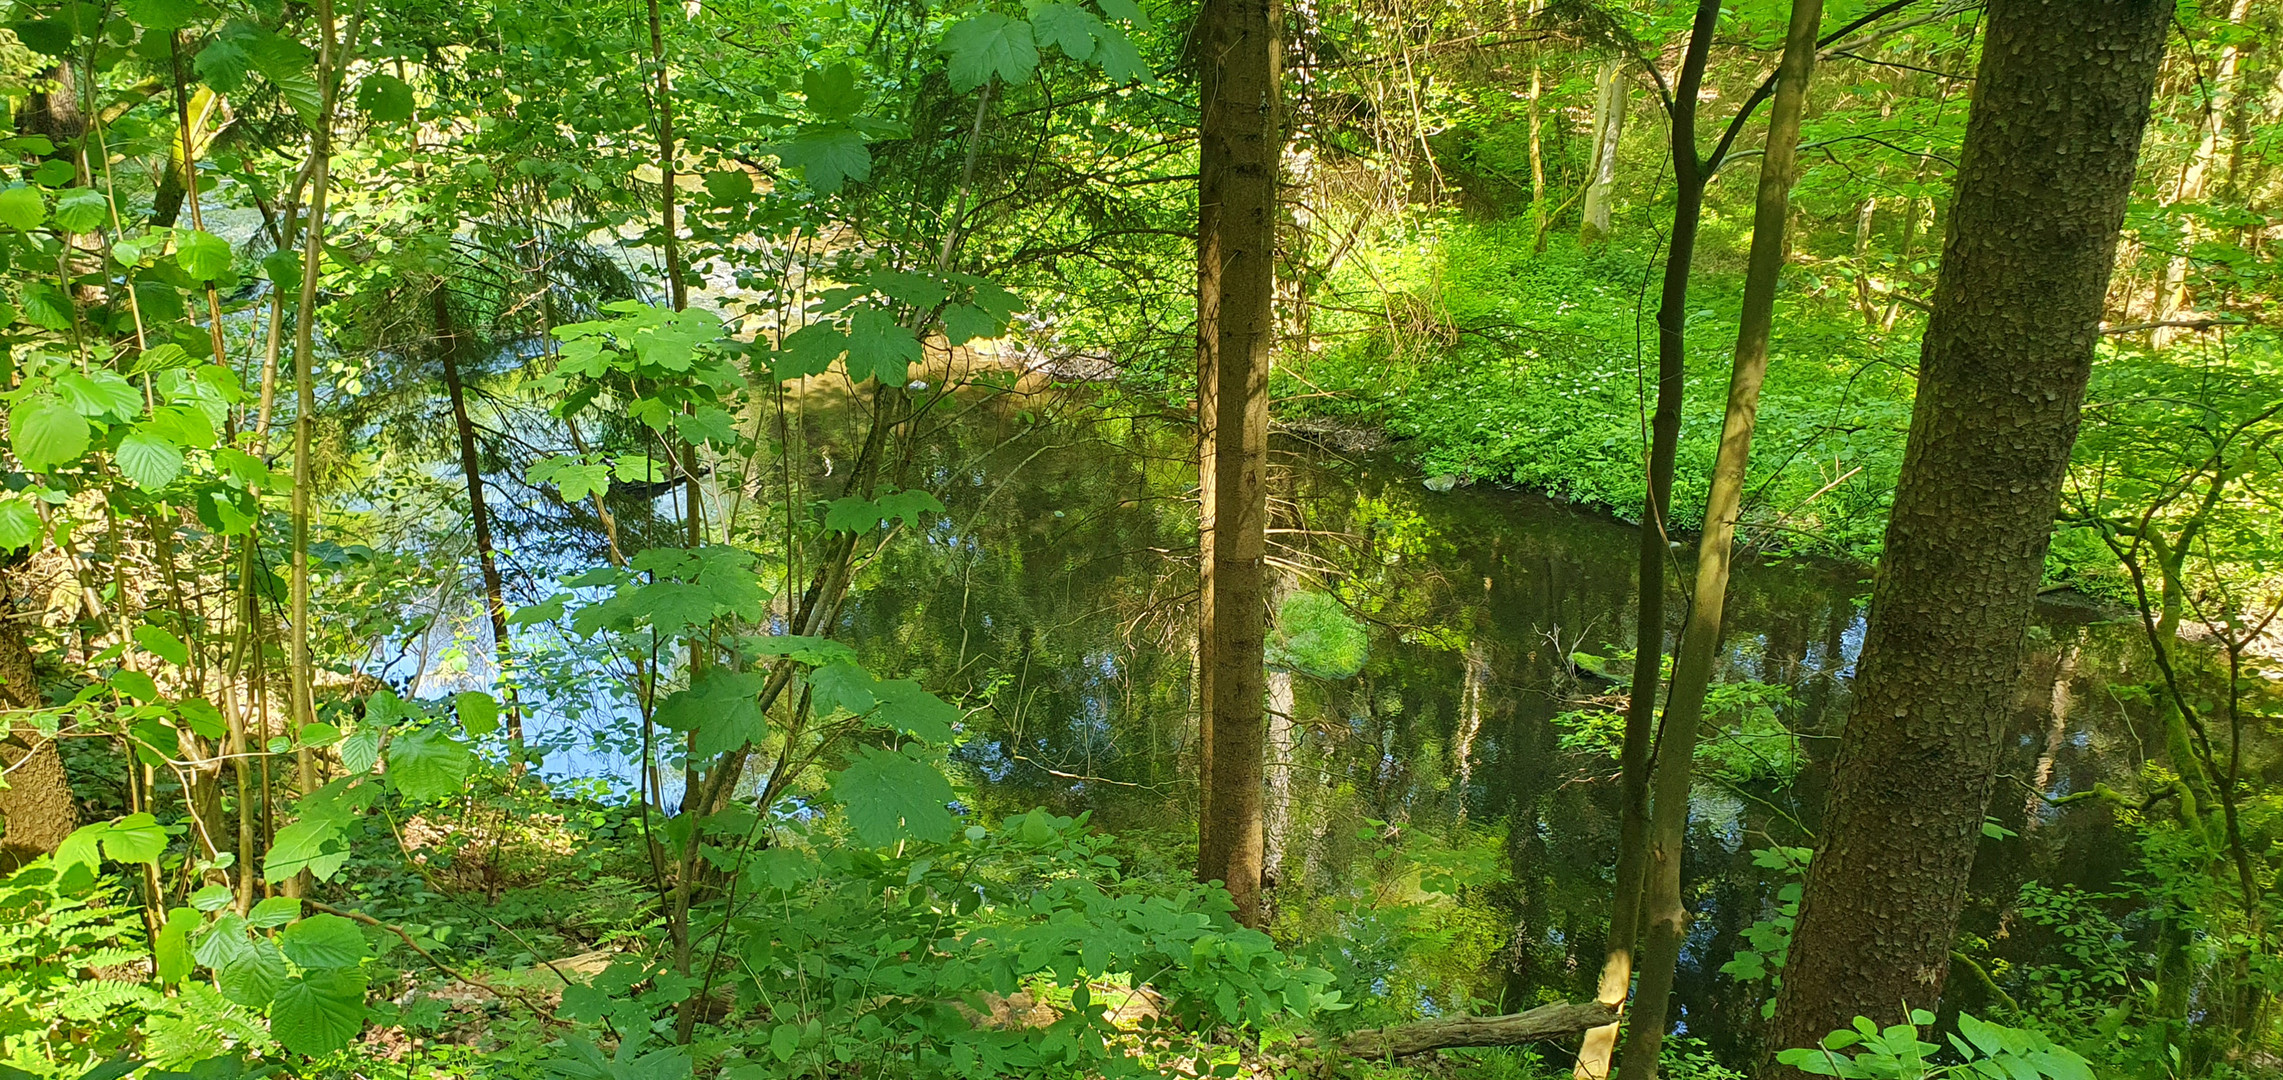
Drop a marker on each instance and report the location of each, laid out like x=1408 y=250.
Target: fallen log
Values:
x=1546 y=1022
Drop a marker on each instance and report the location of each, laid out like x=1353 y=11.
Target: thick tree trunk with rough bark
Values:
x=36 y=808
x=1238 y=142
x=2060 y=101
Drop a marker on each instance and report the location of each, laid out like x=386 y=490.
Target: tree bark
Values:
x=2172 y=293
x=1543 y=1024
x=300 y=674
x=1700 y=638
x=36 y=808
x=448 y=351
x=1238 y=139
x=1649 y=619
x=1610 y=93
x=2061 y=99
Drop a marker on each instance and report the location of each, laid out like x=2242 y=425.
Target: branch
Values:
x=1543 y=1024
x=2185 y=324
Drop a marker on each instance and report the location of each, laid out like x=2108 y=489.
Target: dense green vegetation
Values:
x=660 y=541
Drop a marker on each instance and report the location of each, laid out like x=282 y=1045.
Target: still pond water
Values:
x=1060 y=589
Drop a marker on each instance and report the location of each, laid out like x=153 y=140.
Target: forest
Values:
x=973 y=539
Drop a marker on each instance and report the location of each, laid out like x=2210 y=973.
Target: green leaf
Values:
x=202 y=255
x=136 y=685
x=211 y=898
x=81 y=210
x=318 y=1012
x=479 y=713
x=136 y=838
x=828 y=155
x=832 y=92
x=360 y=750
x=251 y=977
x=1121 y=63
x=275 y=911
x=1067 y=28
x=46 y=306
x=44 y=432
x=1129 y=10
x=843 y=686
x=987 y=44
x=891 y=796
x=148 y=461
x=162 y=644
x=880 y=347
x=708 y=424
x=171 y=949
x=165 y=16
x=385 y=98
x=314 y=844
x=722 y=706
x=918 y=290
x=729 y=186
x=906 y=708
x=807 y=351
x=223 y=65
x=428 y=764
x=19 y=523
x=22 y=208
x=324 y=941
x=100 y=395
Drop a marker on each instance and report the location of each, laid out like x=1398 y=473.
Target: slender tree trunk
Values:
x=1609 y=99
x=1238 y=140
x=1649 y=624
x=2172 y=293
x=676 y=289
x=1700 y=638
x=1540 y=217
x=2060 y=102
x=305 y=416
x=448 y=352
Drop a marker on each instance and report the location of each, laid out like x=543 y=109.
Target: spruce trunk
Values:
x=1238 y=137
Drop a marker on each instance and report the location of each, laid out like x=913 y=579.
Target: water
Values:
x=1060 y=591
x=1056 y=598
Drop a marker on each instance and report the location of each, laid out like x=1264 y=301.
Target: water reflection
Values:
x=1060 y=594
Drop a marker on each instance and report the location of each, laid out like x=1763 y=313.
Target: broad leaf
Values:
x=318 y=1012
x=987 y=44
x=44 y=432
x=22 y=208
x=148 y=461
x=479 y=712
x=828 y=155
x=324 y=941
x=891 y=796
x=723 y=707
x=428 y=764
x=202 y=255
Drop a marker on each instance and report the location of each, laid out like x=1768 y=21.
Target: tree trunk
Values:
x=1700 y=638
x=300 y=673
x=2060 y=102
x=1649 y=623
x=1541 y=218
x=2172 y=294
x=1610 y=92
x=448 y=350
x=36 y=808
x=1238 y=138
